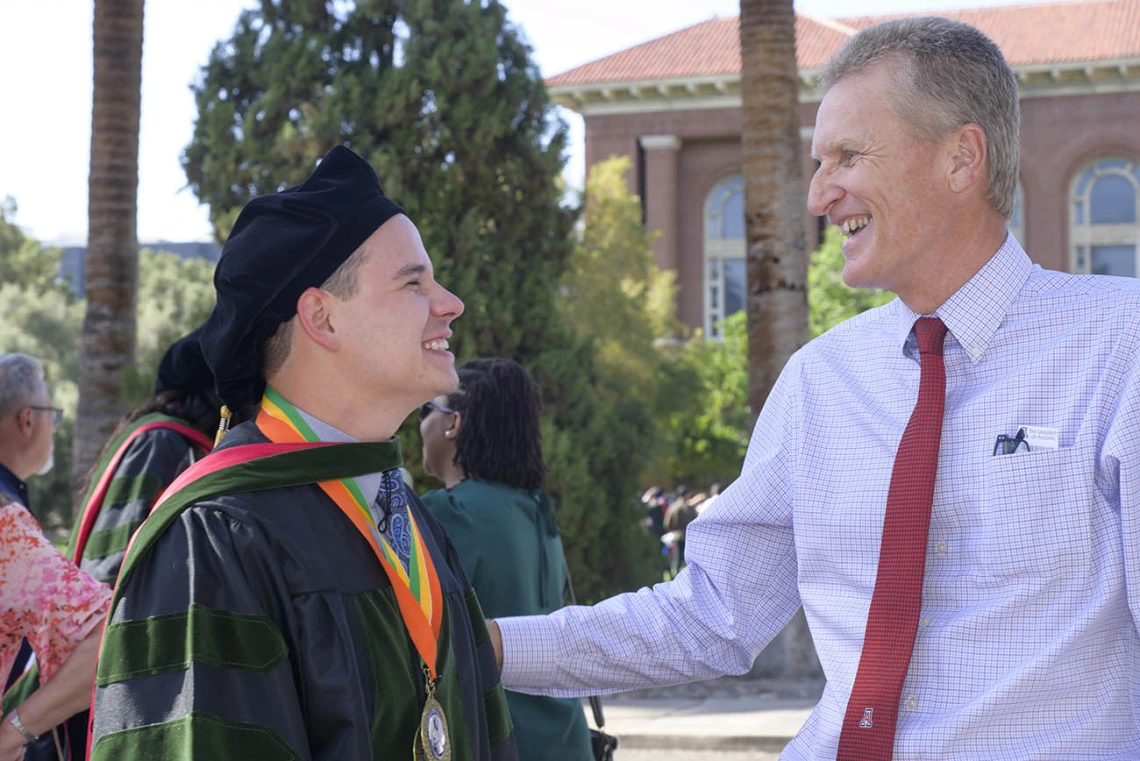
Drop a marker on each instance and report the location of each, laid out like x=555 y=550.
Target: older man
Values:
x=948 y=484
x=27 y=424
x=288 y=598
x=27 y=427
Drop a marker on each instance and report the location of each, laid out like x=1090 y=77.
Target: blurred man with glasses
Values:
x=27 y=428
x=27 y=424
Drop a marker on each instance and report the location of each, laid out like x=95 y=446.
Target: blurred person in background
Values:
x=27 y=425
x=484 y=442
x=47 y=605
x=714 y=492
x=158 y=440
x=680 y=513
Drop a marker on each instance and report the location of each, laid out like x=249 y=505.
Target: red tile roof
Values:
x=1058 y=32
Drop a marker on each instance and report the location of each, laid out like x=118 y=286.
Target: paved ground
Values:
x=733 y=716
x=692 y=755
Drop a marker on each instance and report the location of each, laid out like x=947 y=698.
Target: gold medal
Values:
x=432 y=742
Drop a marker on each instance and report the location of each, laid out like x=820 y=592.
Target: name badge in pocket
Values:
x=1038 y=437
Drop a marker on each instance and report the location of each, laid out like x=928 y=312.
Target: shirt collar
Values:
x=976 y=310
x=369 y=484
x=13 y=486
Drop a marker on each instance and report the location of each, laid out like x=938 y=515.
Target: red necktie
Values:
x=872 y=711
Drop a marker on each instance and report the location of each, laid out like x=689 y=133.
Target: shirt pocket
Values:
x=1038 y=513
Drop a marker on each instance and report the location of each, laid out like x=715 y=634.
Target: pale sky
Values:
x=45 y=126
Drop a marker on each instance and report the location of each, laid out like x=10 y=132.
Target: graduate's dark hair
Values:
x=500 y=439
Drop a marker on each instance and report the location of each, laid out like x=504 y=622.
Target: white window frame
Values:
x=716 y=250
x=1083 y=235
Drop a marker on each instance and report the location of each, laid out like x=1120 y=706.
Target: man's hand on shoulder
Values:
x=496 y=642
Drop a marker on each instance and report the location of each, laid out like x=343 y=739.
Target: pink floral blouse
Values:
x=43 y=595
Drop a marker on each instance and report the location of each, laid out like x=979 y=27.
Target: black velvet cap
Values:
x=282 y=244
x=184 y=368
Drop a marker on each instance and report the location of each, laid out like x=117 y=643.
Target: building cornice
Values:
x=660 y=142
x=723 y=91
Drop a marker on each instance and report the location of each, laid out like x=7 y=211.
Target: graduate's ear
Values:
x=315 y=318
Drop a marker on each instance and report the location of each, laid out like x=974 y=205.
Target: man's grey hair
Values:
x=21 y=378
x=949 y=74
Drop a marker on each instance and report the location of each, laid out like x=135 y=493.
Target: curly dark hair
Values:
x=500 y=439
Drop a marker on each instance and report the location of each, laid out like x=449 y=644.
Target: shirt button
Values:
x=975 y=352
x=911 y=703
x=940 y=548
x=924 y=623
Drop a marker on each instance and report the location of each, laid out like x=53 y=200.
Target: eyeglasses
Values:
x=1010 y=444
x=427 y=407
x=56 y=413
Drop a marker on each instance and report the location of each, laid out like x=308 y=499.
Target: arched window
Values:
x=725 y=278
x=1104 y=217
x=1017 y=219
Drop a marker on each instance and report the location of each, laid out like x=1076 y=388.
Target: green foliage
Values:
x=710 y=434
x=613 y=290
x=22 y=261
x=43 y=319
x=615 y=298
x=175 y=296
x=830 y=301
x=442 y=98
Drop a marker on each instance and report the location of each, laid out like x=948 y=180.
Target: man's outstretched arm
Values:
x=738 y=590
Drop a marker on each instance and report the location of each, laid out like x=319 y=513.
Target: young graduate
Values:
x=302 y=604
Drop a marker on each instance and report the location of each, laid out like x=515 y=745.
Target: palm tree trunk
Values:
x=112 y=239
x=777 y=242
x=773 y=192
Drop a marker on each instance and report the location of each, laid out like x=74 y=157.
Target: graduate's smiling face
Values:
x=393 y=329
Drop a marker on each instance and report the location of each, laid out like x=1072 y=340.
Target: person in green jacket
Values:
x=483 y=441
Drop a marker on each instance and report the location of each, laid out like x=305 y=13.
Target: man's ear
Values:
x=25 y=425
x=314 y=316
x=968 y=158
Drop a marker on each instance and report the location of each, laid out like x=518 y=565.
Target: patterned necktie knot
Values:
x=392 y=505
x=931 y=334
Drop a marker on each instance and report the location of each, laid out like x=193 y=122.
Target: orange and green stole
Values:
x=295 y=458
x=417 y=587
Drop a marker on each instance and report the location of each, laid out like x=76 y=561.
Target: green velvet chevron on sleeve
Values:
x=173 y=641
x=195 y=737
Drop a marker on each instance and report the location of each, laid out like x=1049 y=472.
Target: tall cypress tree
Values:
x=442 y=97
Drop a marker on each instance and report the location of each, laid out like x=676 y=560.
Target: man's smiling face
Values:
x=879 y=182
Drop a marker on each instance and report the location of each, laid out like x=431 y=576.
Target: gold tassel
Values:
x=223 y=424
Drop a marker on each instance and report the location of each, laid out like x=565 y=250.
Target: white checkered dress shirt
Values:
x=1027 y=645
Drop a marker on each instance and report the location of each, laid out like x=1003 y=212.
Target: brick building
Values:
x=673 y=106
